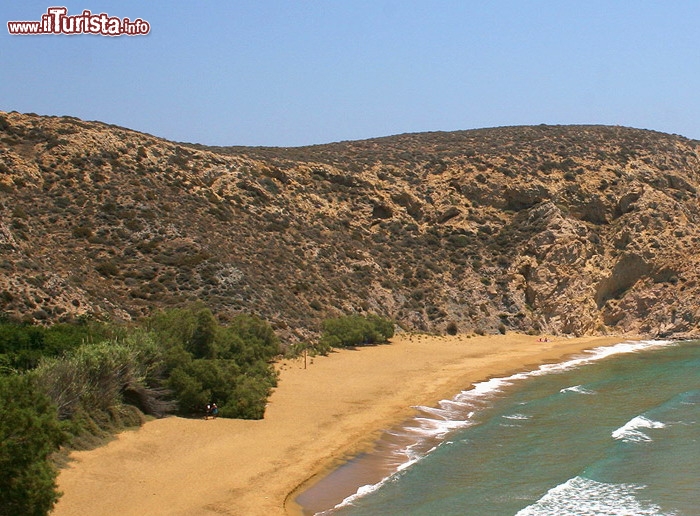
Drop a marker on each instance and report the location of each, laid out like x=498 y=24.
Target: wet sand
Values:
x=318 y=416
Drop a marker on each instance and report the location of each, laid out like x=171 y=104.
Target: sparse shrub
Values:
x=459 y=240
x=452 y=328
x=107 y=268
x=133 y=224
x=19 y=212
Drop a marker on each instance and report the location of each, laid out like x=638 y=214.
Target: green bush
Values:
x=257 y=338
x=23 y=345
x=100 y=378
x=87 y=380
x=190 y=392
x=356 y=330
x=312 y=349
x=103 y=378
x=29 y=434
x=249 y=398
x=206 y=362
x=192 y=328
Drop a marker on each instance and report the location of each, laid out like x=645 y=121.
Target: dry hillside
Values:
x=559 y=229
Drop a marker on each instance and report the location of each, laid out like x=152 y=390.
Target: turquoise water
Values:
x=613 y=432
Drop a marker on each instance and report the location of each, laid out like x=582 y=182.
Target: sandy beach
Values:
x=319 y=415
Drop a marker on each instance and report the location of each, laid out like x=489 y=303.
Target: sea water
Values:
x=614 y=431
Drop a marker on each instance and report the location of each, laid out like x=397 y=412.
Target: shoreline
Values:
x=372 y=465
x=317 y=419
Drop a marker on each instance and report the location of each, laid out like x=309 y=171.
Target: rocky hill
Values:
x=557 y=229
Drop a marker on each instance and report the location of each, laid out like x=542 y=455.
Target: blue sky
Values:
x=288 y=73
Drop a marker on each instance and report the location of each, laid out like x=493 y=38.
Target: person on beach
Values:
x=214 y=410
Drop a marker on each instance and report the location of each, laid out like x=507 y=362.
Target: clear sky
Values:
x=297 y=72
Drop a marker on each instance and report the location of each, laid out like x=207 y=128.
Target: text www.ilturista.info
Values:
x=57 y=21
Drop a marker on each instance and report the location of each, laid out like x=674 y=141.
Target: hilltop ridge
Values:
x=556 y=229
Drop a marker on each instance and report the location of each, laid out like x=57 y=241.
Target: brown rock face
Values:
x=571 y=229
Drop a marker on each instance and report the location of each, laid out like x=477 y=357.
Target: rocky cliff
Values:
x=556 y=229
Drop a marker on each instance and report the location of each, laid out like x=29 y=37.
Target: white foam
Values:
x=630 y=431
x=514 y=418
x=485 y=388
x=517 y=417
x=434 y=411
x=362 y=491
x=580 y=495
x=437 y=427
x=369 y=488
x=454 y=405
x=448 y=416
x=481 y=392
x=599 y=353
x=489 y=388
x=579 y=389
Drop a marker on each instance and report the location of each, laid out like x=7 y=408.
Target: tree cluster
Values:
x=229 y=365
x=76 y=384
x=356 y=330
x=29 y=434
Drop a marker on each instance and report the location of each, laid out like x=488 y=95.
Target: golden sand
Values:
x=335 y=407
